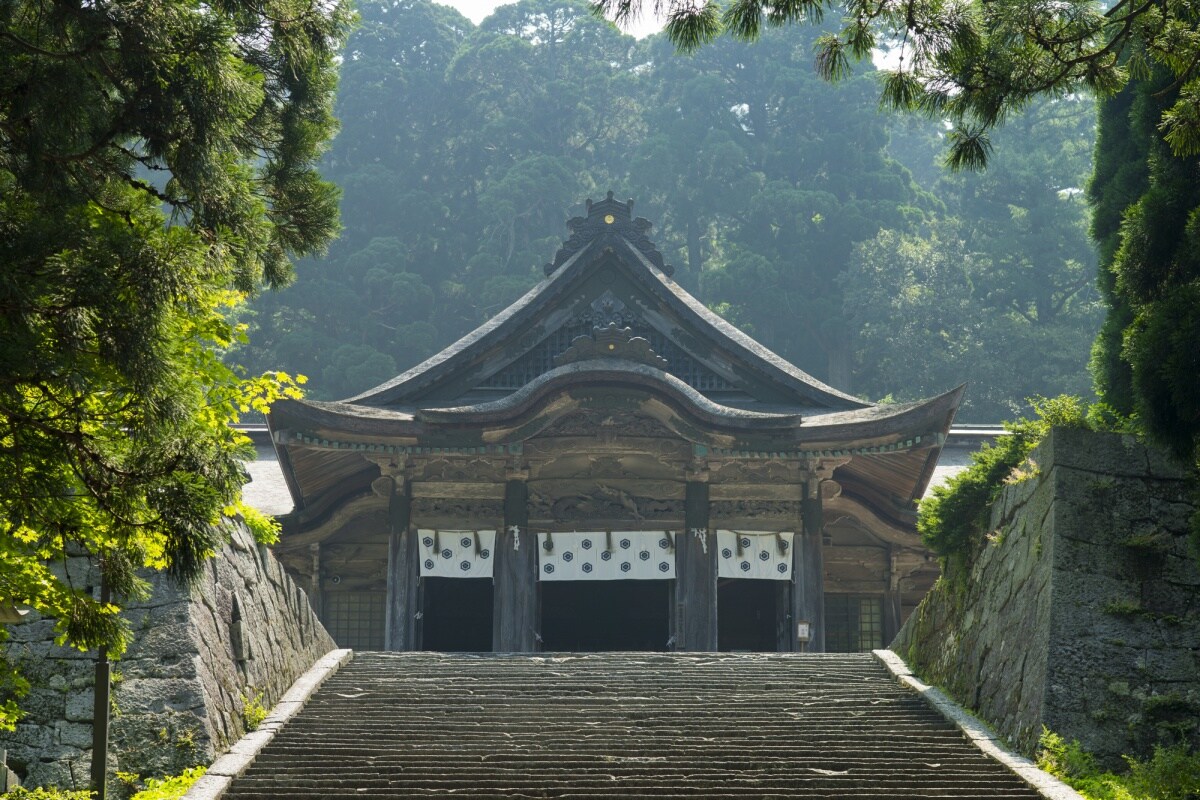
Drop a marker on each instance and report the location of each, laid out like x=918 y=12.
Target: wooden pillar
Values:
x=696 y=575
x=404 y=573
x=808 y=570
x=892 y=600
x=785 y=631
x=315 y=595
x=515 y=618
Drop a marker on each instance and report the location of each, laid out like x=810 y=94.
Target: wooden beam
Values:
x=883 y=528
x=696 y=575
x=458 y=490
x=403 y=576
x=515 y=618
x=344 y=515
x=752 y=491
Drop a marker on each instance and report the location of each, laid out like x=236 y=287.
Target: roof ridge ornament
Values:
x=609 y=216
x=611 y=342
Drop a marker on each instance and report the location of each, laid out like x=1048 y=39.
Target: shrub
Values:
x=953 y=522
x=253 y=710
x=169 y=788
x=1172 y=773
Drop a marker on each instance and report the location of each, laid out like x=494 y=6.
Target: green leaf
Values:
x=690 y=28
x=969 y=149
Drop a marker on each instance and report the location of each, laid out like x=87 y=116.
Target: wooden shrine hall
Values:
x=608 y=465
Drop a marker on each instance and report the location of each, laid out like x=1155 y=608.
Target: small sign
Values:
x=802 y=632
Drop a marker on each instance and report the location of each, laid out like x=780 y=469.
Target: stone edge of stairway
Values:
x=977 y=732
x=216 y=779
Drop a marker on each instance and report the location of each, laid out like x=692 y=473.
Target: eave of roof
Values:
x=355 y=424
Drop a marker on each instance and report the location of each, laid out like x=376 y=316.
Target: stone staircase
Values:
x=620 y=725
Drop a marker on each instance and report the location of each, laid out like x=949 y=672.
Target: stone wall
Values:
x=180 y=690
x=1083 y=612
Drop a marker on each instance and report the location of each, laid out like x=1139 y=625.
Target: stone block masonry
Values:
x=245 y=631
x=1083 y=612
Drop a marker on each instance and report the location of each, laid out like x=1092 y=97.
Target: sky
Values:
x=476 y=10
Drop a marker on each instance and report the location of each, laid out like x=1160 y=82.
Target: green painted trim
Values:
x=701 y=451
x=397 y=449
x=698 y=450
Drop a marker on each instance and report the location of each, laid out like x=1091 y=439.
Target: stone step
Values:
x=620 y=725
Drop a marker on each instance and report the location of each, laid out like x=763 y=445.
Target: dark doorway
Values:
x=457 y=615
x=748 y=614
x=590 y=616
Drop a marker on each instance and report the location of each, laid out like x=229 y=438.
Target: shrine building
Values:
x=608 y=465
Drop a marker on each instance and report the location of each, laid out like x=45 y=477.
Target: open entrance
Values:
x=456 y=615
x=591 y=616
x=749 y=614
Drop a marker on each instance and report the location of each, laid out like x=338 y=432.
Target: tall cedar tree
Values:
x=156 y=165
x=1147 y=220
x=1119 y=178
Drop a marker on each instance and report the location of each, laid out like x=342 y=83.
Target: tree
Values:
x=760 y=177
x=823 y=183
x=927 y=319
x=156 y=166
x=1147 y=220
x=975 y=63
x=1014 y=310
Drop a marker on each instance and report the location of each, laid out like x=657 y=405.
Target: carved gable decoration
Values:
x=605 y=312
x=611 y=342
x=609 y=216
x=599 y=423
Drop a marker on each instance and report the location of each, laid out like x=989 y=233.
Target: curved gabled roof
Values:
x=598 y=242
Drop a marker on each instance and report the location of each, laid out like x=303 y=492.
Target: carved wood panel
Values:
x=746 y=509
x=579 y=501
x=465 y=470
x=463 y=513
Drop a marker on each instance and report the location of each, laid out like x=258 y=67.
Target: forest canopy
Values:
x=788 y=204
x=976 y=64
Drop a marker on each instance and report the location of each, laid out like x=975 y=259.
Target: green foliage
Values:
x=1147 y=203
x=762 y=180
x=758 y=199
x=1000 y=294
x=253 y=710
x=1172 y=773
x=953 y=522
x=13 y=686
x=975 y=64
x=170 y=788
x=21 y=793
x=131 y=230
